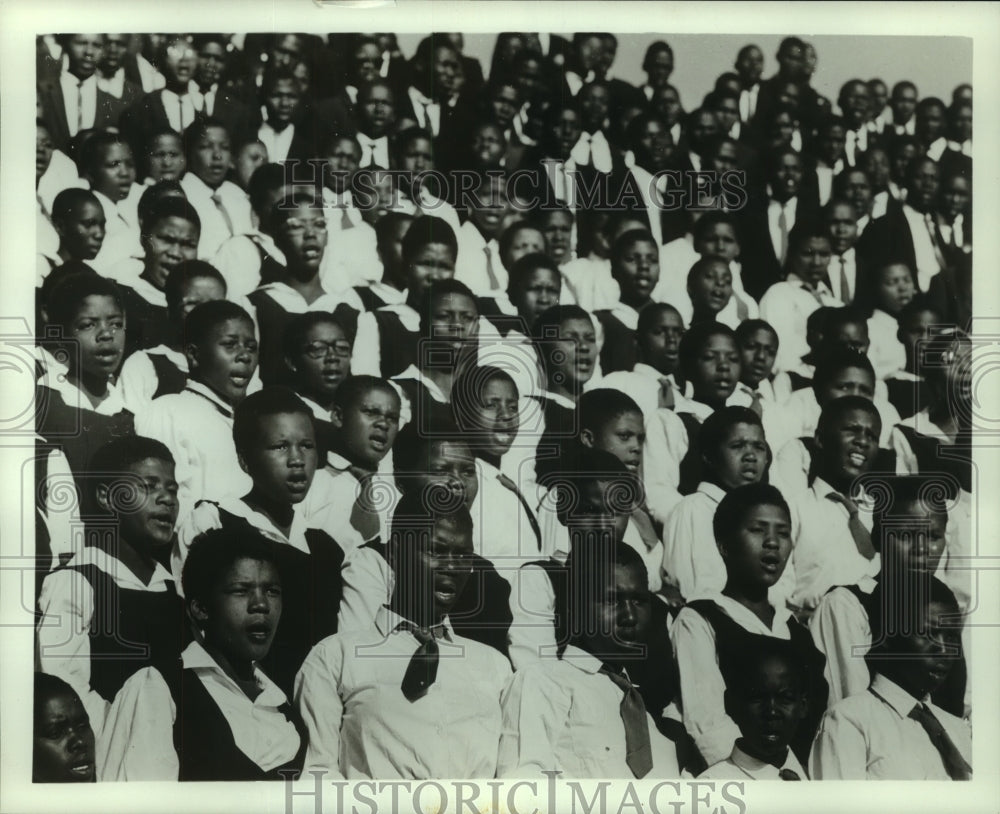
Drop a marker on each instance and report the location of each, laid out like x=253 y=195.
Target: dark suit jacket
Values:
x=887 y=240
x=452 y=141
x=50 y=98
x=236 y=115
x=761 y=267
x=143 y=118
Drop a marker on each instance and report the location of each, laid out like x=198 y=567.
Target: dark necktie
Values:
x=932 y=230
x=180 y=113
x=788 y=774
x=221 y=206
x=509 y=484
x=345 y=219
x=755 y=402
x=954 y=763
x=421 y=672
x=845 y=288
x=638 y=753
x=783 y=229
x=79 y=105
x=490 y=271
x=861 y=535
x=665 y=397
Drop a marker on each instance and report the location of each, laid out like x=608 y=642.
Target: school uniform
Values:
x=60 y=98
x=150 y=373
x=566 y=716
x=310 y=561
x=420 y=398
x=511 y=534
x=223 y=212
x=555 y=428
x=802 y=404
x=736 y=310
x=275 y=305
x=648 y=387
x=709 y=635
x=872 y=736
x=247 y=261
x=778 y=420
x=587 y=282
x=386 y=342
x=741 y=766
x=148 y=322
x=330 y=503
x=197 y=427
x=616 y=340
x=825 y=552
x=786 y=306
x=843 y=275
x=121 y=231
x=361 y=725
x=886 y=352
x=67 y=421
x=907 y=392
x=158 y=110
x=905 y=236
x=479 y=265
x=100 y=624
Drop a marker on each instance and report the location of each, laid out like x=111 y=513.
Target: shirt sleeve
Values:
x=366 y=359
x=692 y=559
x=318 y=699
x=778 y=310
x=840 y=751
x=666 y=444
x=368 y=584
x=535 y=711
x=702 y=687
x=238 y=260
x=838 y=626
x=906 y=461
x=138 y=738
x=61 y=516
x=532 y=628
x=138 y=381
x=66 y=603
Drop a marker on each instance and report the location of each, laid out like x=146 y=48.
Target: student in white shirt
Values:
x=735 y=453
x=105 y=162
x=768 y=704
x=282 y=97
x=197 y=423
x=892 y=288
x=164 y=156
x=711 y=295
x=844 y=278
x=764 y=389
x=116 y=576
x=891 y=731
x=903 y=102
x=407 y=697
x=753 y=529
x=479 y=265
x=156 y=371
x=79 y=222
x=587 y=279
x=787 y=305
x=223 y=208
x=833 y=516
x=582 y=714
x=230 y=721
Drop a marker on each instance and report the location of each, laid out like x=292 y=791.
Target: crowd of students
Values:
x=431 y=419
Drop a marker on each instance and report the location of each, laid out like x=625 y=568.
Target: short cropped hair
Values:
x=387 y=224
x=114 y=457
x=737 y=503
x=524 y=266
x=709 y=220
x=93 y=146
x=467 y=389
x=173 y=288
x=751 y=326
x=627 y=240
x=549 y=320
x=213 y=552
x=435 y=291
x=265 y=403
x=599 y=407
x=205 y=316
x=650 y=313
x=352 y=389
x=68 y=200
x=196 y=132
x=170 y=207
x=67 y=295
x=716 y=427
x=413 y=444
x=424 y=231
x=836 y=361
x=839 y=407
x=694 y=339
x=163 y=190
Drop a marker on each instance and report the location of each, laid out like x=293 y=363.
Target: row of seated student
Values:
x=638 y=455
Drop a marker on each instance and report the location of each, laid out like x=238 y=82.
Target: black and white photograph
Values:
x=544 y=421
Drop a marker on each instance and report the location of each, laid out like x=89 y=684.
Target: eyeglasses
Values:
x=319 y=350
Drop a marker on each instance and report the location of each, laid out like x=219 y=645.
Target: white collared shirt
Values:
x=870 y=736
x=113 y=85
x=471 y=267
x=428 y=112
x=565 y=716
x=360 y=725
x=214 y=229
x=848 y=262
x=238 y=260
x=748 y=102
x=374 y=151
x=643 y=384
x=181 y=109
x=774 y=210
x=278 y=142
x=741 y=766
x=508 y=539
x=886 y=352
x=842 y=632
x=593 y=149
x=121 y=230
x=702 y=686
x=331 y=498
x=937 y=148
x=197 y=428
x=824 y=553
x=67 y=605
x=587 y=282
x=786 y=306
x=74 y=397
x=138 y=380
x=72 y=88
x=923 y=247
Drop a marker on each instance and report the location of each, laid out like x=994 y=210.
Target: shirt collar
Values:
x=413 y=372
x=560 y=399
x=119 y=572
x=388 y=621
x=711 y=490
x=195 y=657
x=317 y=410
x=759 y=769
x=73 y=396
x=894 y=695
x=651 y=372
x=821 y=489
x=582 y=660
x=204 y=390
x=66 y=78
